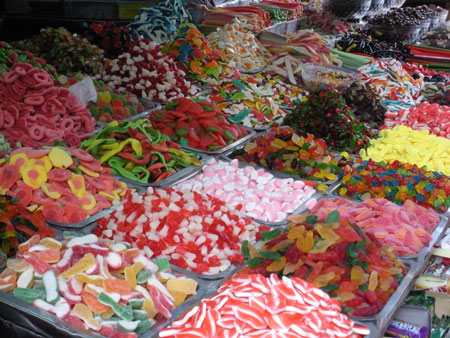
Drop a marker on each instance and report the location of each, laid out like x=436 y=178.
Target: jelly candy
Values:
x=82 y=265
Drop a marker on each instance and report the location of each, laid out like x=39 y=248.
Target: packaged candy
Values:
x=401 y=328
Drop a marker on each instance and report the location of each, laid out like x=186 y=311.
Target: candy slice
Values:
x=43 y=161
x=88 y=201
x=50 y=190
x=82 y=155
x=60 y=158
x=77 y=185
x=34 y=175
x=51 y=286
x=83 y=312
x=8 y=175
x=19 y=159
x=53 y=211
x=59 y=175
x=74 y=214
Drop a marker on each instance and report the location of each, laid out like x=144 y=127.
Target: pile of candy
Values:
x=95 y=285
x=260 y=194
x=324 y=22
x=69 y=53
x=326 y=115
x=36 y=113
x=428 y=75
x=196 y=232
x=191 y=48
x=393 y=83
x=159 y=22
x=146 y=72
x=110 y=105
x=269 y=307
x=284 y=94
x=366 y=104
x=10 y=56
x=437 y=93
x=425 y=116
x=136 y=151
x=398 y=183
x=410 y=146
x=310 y=47
x=199 y=124
x=68 y=185
x=256 y=18
x=334 y=255
x=405 y=228
x=284 y=150
x=19 y=224
x=239 y=45
x=110 y=36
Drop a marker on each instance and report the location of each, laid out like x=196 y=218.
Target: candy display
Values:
x=285 y=94
x=195 y=232
x=255 y=17
x=159 y=22
x=260 y=194
x=149 y=74
x=68 y=185
x=96 y=285
x=68 y=53
x=136 y=151
x=36 y=113
x=334 y=255
x=428 y=75
x=320 y=76
x=19 y=224
x=298 y=310
x=239 y=45
x=425 y=116
x=397 y=182
x=324 y=22
x=292 y=10
x=432 y=57
x=112 y=37
x=406 y=228
x=196 y=124
x=326 y=115
x=284 y=150
x=410 y=146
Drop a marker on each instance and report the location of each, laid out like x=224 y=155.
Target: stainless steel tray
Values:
x=84 y=223
x=254 y=71
x=150 y=106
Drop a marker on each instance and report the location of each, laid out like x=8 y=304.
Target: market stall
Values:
x=237 y=169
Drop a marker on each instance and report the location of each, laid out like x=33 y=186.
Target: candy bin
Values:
x=348 y=9
x=319 y=76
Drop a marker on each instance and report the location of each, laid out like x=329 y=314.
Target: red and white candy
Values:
x=261 y=195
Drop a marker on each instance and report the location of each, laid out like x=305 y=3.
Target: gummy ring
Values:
x=67 y=124
x=37 y=132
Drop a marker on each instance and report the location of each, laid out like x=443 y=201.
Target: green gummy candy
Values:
x=143 y=326
x=127 y=326
x=69 y=234
x=124 y=312
x=136 y=303
x=139 y=315
x=143 y=276
x=30 y=295
x=51 y=286
x=163 y=263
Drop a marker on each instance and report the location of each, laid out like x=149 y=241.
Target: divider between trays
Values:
x=84 y=223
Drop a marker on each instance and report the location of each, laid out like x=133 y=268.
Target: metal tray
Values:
x=254 y=71
x=299 y=208
x=84 y=223
x=165 y=183
x=149 y=105
x=242 y=140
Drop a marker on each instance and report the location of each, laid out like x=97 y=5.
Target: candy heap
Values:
x=334 y=255
x=159 y=22
x=35 y=112
x=326 y=115
x=437 y=93
x=239 y=45
x=428 y=75
x=149 y=74
x=69 y=53
x=260 y=194
x=95 y=285
x=425 y=116
x=309 y=46
x=256 y=18
x=410 y=146
x=136 y=151
x=284 y=150
x=191 y=48
x=269 y=307
x=196 y=124
x=321 y=21
x=398 y=183
x=19 y=224
x=112 y=37
x=196 y=232
x=284 y=94
x=68 y=185
x=405 y=228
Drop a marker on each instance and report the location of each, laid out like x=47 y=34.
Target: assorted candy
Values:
x=425 y=116
x=149 y=74
x=69 y=53
x=240 y=46
x=406 y=145
x=324 y=23
x=255 y=17
x=437 y=93
x=136 y=151
x=94 y=284
x=196 y=232
x=19 y=224
x=199 y=124
x=266 y=307
x=397 y=182
x=334 y=255
x=284 y=150
x=68 y=185
x=284 y=94
x=405 y=228
x=326 y=115
x=36 y=113
x=260 y=194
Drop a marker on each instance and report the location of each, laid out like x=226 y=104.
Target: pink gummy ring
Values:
x=37 y=132
x=66 y=124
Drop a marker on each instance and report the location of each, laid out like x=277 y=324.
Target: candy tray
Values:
x=84 y=223
x=242 y=140
x=167 y=182
x=150 y=106
x=277 y=175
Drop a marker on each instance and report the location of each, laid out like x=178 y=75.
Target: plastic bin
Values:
x=314 y=76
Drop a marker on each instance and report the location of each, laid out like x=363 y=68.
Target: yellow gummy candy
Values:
x=323 y=280
x=277 y=266
x=296 y=232
x=373 y=280
x=305 y=244
x=185 y=285
x=82 y=265
x=82 y=277
x=357 y=273
x=130 y=276
x=83 y=312
x=179 y=297
x=149 y=307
